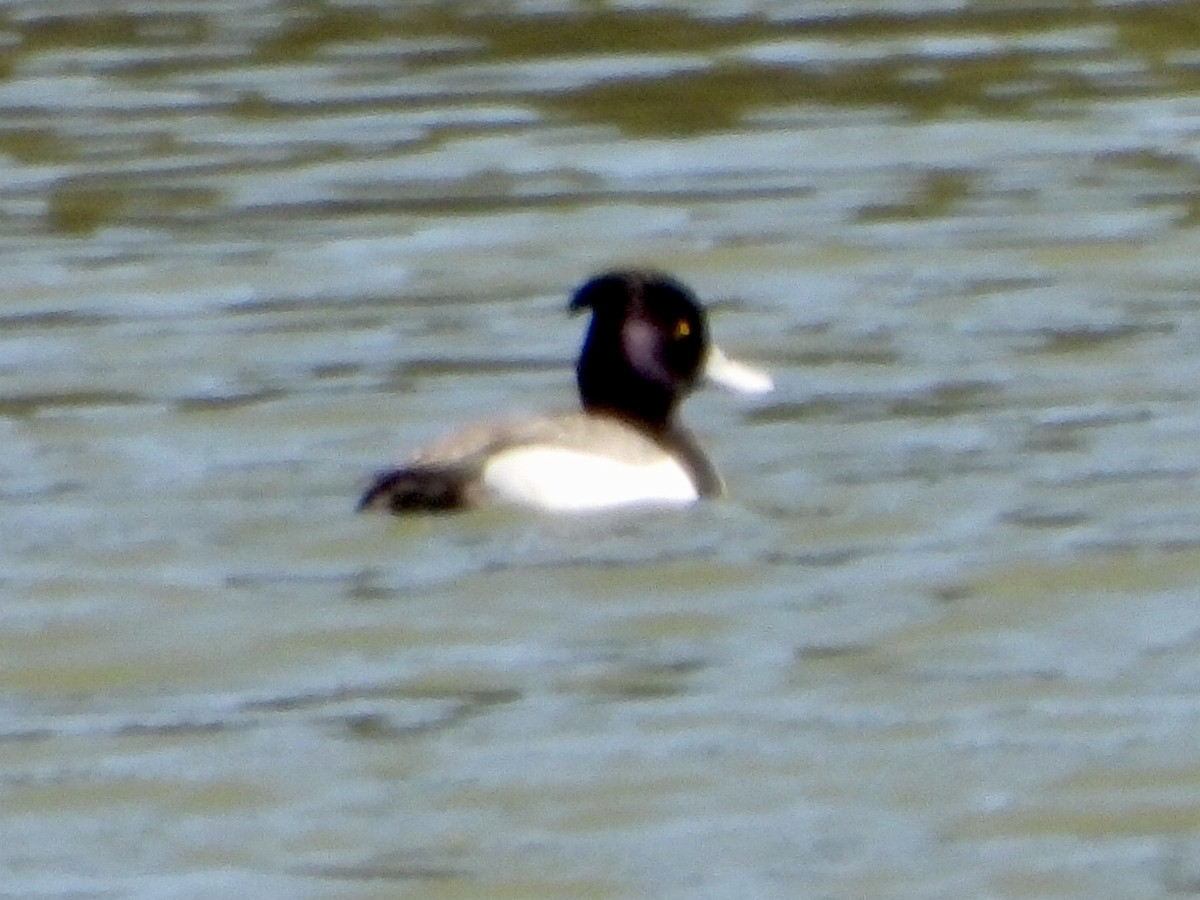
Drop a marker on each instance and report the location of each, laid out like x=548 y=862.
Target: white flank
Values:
x=559 y=480
x=736 y=376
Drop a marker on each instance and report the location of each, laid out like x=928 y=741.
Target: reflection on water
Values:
x=941 y=640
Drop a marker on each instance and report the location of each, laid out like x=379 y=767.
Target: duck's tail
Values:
x=418 y=489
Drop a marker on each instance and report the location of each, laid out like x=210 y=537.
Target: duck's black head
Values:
x=645 y=347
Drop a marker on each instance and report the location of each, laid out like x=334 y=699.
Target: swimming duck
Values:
x=646 y=348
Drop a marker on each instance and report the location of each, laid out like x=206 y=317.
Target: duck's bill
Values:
x=719 y=369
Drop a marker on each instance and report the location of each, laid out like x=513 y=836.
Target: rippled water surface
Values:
x=943 y=640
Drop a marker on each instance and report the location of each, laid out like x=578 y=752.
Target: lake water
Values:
x=942 y=640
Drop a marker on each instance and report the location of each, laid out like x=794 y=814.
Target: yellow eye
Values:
x=682 y=329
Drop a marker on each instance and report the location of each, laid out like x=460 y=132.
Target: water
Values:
x=941 y=641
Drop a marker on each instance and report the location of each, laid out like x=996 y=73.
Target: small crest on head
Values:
x=617 y=291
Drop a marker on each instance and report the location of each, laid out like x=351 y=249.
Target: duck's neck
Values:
x=633 y=399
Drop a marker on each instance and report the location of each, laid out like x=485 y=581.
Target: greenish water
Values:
x=941 y=641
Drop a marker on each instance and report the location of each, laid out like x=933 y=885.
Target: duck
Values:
x=646 y=348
